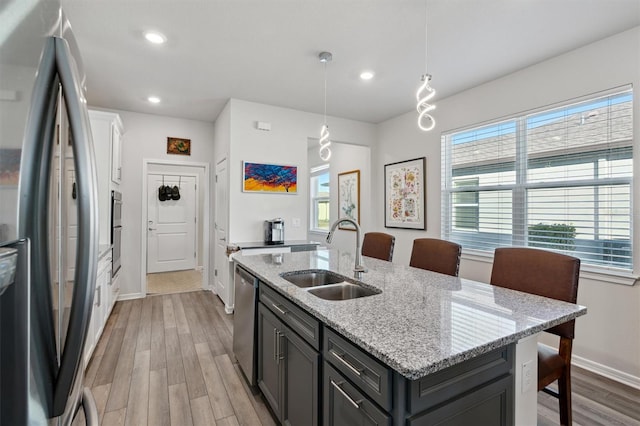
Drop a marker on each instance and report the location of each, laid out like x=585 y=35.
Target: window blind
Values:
x=558 y=178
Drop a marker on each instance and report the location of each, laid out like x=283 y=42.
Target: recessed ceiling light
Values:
x=155 y=37
x=154 y=99
x=366 y=75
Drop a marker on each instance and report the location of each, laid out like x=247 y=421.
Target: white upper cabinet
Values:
x=106 y=129
x=116 y=150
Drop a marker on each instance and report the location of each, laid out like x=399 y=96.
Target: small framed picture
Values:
x=349 y=198
x=179 y=146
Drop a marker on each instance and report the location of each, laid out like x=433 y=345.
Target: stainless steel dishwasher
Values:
x=244 y=316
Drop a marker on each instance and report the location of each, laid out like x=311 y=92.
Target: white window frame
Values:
x=314 y=200
x=521 y=186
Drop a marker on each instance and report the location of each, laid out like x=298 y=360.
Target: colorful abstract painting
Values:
x=9 y=166
x=405 y=205
x=260 y=177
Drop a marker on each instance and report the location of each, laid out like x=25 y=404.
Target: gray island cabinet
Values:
x=428 y=349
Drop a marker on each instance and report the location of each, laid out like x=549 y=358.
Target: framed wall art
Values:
x=349 y=198
x=269 y=178
x=179 y=146
x=404 y=194
x=10 y=166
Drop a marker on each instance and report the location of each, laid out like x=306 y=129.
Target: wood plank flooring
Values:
x=167 y=360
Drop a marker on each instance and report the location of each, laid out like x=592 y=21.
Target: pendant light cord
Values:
x=325 y=93
x=425 y=92
x=426 y=36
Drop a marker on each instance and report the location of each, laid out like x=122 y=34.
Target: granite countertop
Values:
x=422 y=321
x=262 y=244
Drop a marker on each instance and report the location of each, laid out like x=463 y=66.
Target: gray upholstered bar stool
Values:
x=436 y=255
x=378 y=245
x=552 y=275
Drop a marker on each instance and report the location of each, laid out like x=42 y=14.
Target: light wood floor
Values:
x=167 y=360
x=174 y=282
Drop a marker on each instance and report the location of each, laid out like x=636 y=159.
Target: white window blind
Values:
x=558 y=179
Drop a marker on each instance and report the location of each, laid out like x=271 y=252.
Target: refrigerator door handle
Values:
x=90 y=409
x=32 y=212
x=87 y=246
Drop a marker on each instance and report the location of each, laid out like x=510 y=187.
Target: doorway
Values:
x=175 y=227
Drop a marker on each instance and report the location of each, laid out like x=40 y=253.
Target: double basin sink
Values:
x=329 y=285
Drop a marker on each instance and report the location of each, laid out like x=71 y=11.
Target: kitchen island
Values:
x=429 y=329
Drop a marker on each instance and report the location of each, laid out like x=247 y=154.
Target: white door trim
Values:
x=146 y=162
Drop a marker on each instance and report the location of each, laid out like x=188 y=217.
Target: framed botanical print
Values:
x=349 y=198
x=404 y=194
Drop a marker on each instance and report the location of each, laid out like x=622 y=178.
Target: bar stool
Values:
x=378 y=245
x=436 y=255
x=552 y=275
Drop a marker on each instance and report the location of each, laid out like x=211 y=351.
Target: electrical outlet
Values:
x=295 y=222
x=527 y=376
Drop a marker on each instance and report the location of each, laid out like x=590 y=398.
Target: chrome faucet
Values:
x=359 y=268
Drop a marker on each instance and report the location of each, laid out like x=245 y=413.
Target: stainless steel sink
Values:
x=344 y=291
x=314 y=278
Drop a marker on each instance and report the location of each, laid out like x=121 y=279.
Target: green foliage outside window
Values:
x=558 y=236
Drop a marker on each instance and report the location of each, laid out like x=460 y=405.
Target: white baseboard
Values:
x=603 y=370
x=131 y=296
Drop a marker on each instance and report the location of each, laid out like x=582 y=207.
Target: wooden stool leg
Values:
x=564 y=391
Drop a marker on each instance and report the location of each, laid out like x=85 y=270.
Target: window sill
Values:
x=590 y=272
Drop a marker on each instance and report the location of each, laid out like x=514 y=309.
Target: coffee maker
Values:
x=274 y=231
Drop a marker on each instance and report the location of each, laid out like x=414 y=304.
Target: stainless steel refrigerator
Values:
x=48 y=218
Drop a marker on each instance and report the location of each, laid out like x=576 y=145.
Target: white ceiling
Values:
x=266 y=50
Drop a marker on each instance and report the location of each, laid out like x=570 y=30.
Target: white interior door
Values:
x=171 y=230
x=221 y=220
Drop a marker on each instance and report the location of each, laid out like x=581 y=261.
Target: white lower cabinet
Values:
x=103 y=301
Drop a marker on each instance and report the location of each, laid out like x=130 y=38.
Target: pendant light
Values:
x=425 y=92
x=325 y=143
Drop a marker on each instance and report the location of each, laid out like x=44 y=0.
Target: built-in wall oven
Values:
x=116 y=230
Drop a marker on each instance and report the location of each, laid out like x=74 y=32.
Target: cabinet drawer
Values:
x=458 y=379
x=373 y=377
x=299 y=321
x=344 y=404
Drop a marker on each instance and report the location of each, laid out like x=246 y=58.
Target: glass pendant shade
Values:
x=424 y=94
x=325 y=143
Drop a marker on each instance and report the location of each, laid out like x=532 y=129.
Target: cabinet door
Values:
x=269 y=358
x=302 y=363
x=344 y=404
x=116 y=153
x=490 y=405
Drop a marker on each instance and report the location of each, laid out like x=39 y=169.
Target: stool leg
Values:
x=564 y=390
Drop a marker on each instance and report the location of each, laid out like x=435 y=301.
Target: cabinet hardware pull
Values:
x=346 y=363
x=280 y=351
x=275 y=345
x=356 y=404
x=279 y=309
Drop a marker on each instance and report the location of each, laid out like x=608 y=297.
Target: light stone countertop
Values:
x=422 y=321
